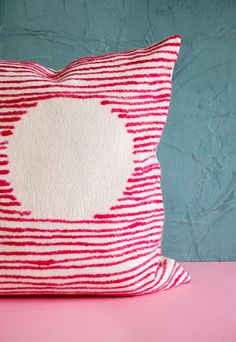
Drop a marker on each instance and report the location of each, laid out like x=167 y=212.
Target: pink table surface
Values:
x=203 y=310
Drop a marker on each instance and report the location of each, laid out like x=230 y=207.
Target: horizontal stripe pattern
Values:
x=117 y=252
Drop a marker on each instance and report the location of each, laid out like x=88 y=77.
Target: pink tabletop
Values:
x=203 y=310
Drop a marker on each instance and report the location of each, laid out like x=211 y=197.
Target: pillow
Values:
x=81 y=205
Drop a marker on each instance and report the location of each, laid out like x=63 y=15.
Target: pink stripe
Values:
x=83 y=62
x=104 y=57
x=14 y=118
x=100 y=85
x=6 y=190
x=126 y=206
x=3 y=127
x=6 y=133
x=122 y=110
x=5 y=162
x=87 y=244
x=61 y=251
x=87 y=289
x=141 y=191
x=137 y=198
x=100 y=282
x=8 y=204
x=140 y=161
x=125 y=252
x=98 y=230
x=79 y=73
x=164 y=97
x=36 y=287
x=58 y=95
x=135 y=56
x=146 y=167
x=146 y=115
x=144 y=123
x=3 y=182
x=80 y=63
x=147 y=137
x=153 y=285
x=141 y=179
x=143 y=130
x=8 y=196
x=91 y=290
x=13 y=113
x=127 y=54
x=17 y=212
x=143 y=151
x=141 y=185
x=137 y=103
x=145 y=75
x=33 y=69
x=152 y=143
x=143 y=61
x=70 y=290
x=89 y=95
x=153 y=219
x=4 y=172
x=80 y=266
x=95 y=221
x=126 y=214
x=172 y=273
x=98 y=275
x=146 y=170
x=67 y=236
x=21 y=105
x=48 y=262
x=79 y=95
x=114 y=72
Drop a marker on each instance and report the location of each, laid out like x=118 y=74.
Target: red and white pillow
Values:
x=81 y=205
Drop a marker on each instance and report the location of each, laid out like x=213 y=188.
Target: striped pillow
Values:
x=81 y=204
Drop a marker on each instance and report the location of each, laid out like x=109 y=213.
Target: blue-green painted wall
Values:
x=198 y=148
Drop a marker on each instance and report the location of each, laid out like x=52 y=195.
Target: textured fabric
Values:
x=81 y=202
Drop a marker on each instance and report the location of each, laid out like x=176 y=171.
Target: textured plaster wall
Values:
x=198 y=148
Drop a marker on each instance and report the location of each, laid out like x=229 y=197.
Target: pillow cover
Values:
x=81 y=206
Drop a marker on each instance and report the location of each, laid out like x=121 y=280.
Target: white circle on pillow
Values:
x=69 y=159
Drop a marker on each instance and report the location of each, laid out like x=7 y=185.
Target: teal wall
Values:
x=198 y=148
